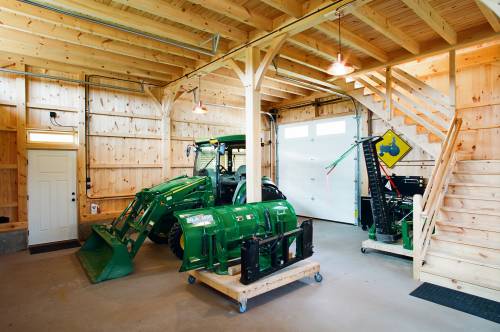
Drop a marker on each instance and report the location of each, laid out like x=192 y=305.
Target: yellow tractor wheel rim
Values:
x=181 y=241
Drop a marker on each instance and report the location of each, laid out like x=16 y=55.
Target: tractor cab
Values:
x=223 y=160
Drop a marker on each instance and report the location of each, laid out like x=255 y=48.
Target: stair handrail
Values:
x=435 y=192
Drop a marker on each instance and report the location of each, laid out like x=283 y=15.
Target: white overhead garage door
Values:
x=304 y=150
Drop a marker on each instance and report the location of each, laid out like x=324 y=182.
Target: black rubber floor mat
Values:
x=46 y=247
x=454 y=299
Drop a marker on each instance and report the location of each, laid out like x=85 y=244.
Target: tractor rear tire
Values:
x=174 y=240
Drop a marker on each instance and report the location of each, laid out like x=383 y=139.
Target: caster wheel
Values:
x=318 y=277
x=363 y=250
x=242 y=307
x=191 y=280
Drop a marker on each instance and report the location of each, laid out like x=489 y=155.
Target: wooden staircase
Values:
x=418 y=111
x=463 y=253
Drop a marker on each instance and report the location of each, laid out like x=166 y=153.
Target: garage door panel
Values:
x=302 y=174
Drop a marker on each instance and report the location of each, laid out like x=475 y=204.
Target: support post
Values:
x=22 y=160
x=81 y=154
x=252 y=126
x=164 y=107
x=167 y=104
x=388 y=92
x=453 y=81
x=417 y=235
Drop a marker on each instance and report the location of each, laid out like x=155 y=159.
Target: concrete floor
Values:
x=50 y=292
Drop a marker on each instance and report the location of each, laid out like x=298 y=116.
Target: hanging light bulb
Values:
x=340 y=67
x=199 y=108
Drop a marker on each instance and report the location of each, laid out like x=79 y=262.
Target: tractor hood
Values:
x=174 y=185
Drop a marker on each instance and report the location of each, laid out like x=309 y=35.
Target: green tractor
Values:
x=218 y=180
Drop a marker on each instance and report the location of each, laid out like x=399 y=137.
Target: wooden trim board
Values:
x=393 y=248
x=230 y=284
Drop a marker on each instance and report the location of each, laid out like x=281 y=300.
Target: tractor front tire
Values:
x=174 y=240
x=158 y=238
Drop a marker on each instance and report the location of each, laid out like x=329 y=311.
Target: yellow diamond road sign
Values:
x=392 y=148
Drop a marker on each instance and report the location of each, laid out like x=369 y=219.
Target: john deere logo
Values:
x=392 y=148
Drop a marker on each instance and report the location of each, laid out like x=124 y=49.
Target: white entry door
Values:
x=304 y=150
x=52 y=196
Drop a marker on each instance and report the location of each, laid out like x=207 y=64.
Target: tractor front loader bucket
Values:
x=103 y=256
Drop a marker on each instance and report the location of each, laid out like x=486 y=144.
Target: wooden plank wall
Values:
x=124 y=141
x=478 y=101
x=187 y=127
x=8 y=148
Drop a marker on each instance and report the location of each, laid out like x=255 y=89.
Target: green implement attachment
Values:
x=104 y=257
x=109 y=251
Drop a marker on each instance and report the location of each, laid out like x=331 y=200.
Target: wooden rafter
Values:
x=25 y=44
x=353 y=40
x=466 y=38
x=322 y=48
x=290 y=7
x=64 y=34
x=493 y=5
x=127 y=19
x=175 y=14
x=110 y=34
x=430 y=16
x=490 y=16
x=237 y=12
x=380 y=23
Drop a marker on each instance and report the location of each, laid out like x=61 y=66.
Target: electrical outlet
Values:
x=53 y=115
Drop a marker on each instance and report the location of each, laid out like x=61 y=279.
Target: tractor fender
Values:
x=269 y=191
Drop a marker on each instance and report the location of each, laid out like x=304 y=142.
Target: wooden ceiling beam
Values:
x=219 y=85
x=429 y=15
x=232 y=81
x=101 y=11
x=69 y=49
x=175 y=14
x=237 y=12
x=353 y=40
x=381 y=24
x=493 y=5
x=289 y=7
x=322 y=48
x=490 y=16
x=64 y=34
x=267 y=83
x=48 y=16
x=24 y=44
x=465 y=38
x=45 y=64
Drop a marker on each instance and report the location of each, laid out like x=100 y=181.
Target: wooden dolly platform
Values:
x=230 y=284
x=393 y=248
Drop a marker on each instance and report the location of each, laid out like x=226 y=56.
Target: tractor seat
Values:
x=241 y=173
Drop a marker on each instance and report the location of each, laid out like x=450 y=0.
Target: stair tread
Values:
x=473 y=197
x=476 y=172
x=465 y=225
x=469 y=211
x=462 y=240
x=457 y=257
x=479 y=161
x=473 y=184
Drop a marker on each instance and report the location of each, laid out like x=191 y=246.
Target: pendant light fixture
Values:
x=340 y=67
x=199 y=107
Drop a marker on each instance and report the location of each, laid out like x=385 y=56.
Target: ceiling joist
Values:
x=380 y=23
x=175 y=14
x=492 y=18
x=430 y=16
